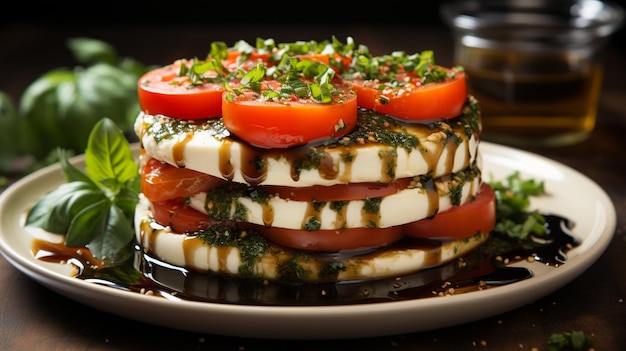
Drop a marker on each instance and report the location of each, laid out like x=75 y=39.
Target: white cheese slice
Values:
x=185 y=144
x=191 y=252
x=408 y=205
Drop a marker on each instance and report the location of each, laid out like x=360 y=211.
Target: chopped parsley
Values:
x=513 y=217
x=574 y=340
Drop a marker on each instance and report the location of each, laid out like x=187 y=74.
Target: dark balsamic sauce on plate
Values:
x=486 y=267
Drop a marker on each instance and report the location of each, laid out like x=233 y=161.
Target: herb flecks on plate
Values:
x=94 y=209
x=513 y=215
x=574 y=340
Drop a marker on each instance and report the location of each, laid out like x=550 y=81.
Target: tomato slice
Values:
x=458 y=222
x=180 y=217
x=332 y=240
x=161 y=181
x=163 y=91
x=238 y=57
x=413 y=101
x=285 y=124
x=338 y=192
x=246 y=61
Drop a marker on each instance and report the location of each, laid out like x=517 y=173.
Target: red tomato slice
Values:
x=238 y=60
x=180 y=217
x=414 y=102
x=338 y=192
x=332 y=240
x=254 y=56
x=162 y=91
x=284 y=124
x=459 y=222
x=161 y=181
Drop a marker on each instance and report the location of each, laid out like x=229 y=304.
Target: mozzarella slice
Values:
x=278 y=263
x=381 y=150
x=408 y=205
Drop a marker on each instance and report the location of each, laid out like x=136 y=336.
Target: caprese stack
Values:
x=309 y=161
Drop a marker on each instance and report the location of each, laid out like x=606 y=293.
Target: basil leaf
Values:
x=55 y=211
x=95 y=208
x=87 y=223
x=111 y=241
x=127 y=199
x=104 y=228
x=108 y=156
x=70 y=171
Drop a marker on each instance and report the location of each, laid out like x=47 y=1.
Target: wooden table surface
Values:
x=35 y=318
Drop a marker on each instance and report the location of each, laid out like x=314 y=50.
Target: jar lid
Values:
x=573 y=21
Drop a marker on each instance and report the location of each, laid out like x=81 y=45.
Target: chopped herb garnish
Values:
x=574 y=340
x=513 y=217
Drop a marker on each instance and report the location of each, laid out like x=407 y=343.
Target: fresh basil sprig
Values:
x=94 y=208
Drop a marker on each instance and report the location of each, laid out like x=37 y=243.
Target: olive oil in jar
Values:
x=534 y=99
x=535 y=67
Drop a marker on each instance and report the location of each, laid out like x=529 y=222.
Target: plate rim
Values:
x=287 y=322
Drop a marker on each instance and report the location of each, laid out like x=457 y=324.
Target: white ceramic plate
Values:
x=572 y=195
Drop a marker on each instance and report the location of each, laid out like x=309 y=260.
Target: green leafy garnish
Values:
x=387 y=68
x=60 y=108
x=575 y=340
x=95 y=207
x=298 y=77
x=513 y=217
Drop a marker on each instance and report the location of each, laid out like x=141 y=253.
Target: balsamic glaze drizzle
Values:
x=483 y=268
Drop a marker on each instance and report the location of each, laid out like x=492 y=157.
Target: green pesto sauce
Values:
x=294 y=269
x=168 y=128
x=455 y=190
x=337 y=205
x=348 y=157
x=329 y=270
x=386 y=130
x=372 y=206
x=312 y=224
x=251 y=244
x=471 y=116
x=318 y=205
x=390 y=156
x=312 y=160
x=220 y=201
